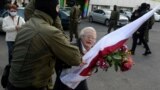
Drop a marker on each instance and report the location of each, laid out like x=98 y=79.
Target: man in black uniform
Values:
x=141 y=31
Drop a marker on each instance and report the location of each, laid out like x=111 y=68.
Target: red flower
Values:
x=102 y=64
x=126 y=65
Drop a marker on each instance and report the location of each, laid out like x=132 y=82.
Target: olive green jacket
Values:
x=37 y=47
x=114 y=15
x=29 y=10
x=75 y=14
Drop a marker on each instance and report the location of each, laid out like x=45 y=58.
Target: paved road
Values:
x=145 y=74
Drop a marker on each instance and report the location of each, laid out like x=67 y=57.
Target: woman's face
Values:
x=13 y=12
x=89 y=39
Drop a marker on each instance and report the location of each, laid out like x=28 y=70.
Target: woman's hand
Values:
x=82 y=64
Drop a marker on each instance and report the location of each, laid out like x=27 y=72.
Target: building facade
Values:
x=84 y=4
x=122 y=4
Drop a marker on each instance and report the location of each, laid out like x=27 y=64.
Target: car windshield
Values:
x=107 y=11
x=65 y=12
x=128 y=13
x=66 y=9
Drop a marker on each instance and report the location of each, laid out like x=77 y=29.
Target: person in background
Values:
x=74 y=18
x=141 y=31
x=151 y=22
x=113 y=19
x=11 y=25
x=85 y=42
x=135 y=36
x=37 y=48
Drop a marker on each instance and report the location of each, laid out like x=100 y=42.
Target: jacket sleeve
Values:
x=57 y=23
x=6 y=27
x=61 y=48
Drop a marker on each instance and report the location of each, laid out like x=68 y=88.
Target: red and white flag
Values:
x=107 y=44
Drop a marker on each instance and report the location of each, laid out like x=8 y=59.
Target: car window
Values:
x=101 y=11
x=108 y=12
x=62 y=15
x=21 y=12
x=97 y=11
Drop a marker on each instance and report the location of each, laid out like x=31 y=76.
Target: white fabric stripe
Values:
x=71 y=77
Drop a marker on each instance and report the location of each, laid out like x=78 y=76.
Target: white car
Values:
x=156 y=17
x=103 y=16
x=128 y=14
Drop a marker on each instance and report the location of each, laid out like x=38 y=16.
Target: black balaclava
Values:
x=72 y=3
x=47 y=6
x=115 y=8
x=143 y=6
x=148 y=6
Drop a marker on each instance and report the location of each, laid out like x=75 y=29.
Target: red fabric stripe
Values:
x=87 y=71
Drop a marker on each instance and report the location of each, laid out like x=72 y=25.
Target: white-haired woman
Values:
x=87 y=39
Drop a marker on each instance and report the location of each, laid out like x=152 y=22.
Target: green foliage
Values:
x=116 y=58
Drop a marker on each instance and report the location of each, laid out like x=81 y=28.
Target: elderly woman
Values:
x=85 y=42
x=87 y=39
x=11 y=25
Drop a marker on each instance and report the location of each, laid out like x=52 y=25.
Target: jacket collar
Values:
x=44 y=16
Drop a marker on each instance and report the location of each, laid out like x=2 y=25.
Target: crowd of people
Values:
x=38 y=47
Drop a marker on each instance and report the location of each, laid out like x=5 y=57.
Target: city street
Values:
x=144 y=75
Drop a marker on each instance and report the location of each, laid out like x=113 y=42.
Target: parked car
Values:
x=128 y=14
x=103 y=16
x=67 y=9
x=5 y=13
x=64 y=16
x=157 y=17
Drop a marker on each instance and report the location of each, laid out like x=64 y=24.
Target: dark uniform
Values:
x=113 y=19
x=74 y=17
x=141 y=32
x=151 y=22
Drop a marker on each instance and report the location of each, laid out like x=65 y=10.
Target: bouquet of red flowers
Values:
x=120 y=59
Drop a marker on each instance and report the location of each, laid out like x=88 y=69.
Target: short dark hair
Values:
x=12 y=6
